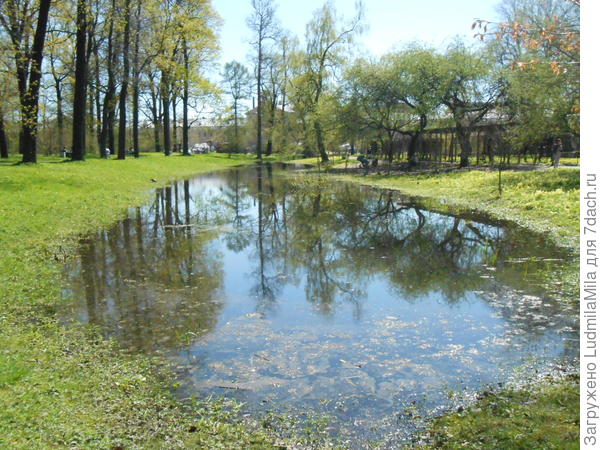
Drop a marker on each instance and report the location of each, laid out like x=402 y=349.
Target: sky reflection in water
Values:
x=339 y=299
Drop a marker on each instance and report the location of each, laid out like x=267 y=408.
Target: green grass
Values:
x=65 y=386
x=542 y=417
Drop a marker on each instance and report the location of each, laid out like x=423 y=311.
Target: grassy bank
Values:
x=63 y=387
x=66 y=387
x=544 y=416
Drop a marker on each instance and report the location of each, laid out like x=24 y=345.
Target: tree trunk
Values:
x=556 y=151
x=135 y=112
x=136 y=85
x=390 y=148
x=174 y=121
x=98 y=102
x=413 y=160
x=60 y=117
x=186 y=96
x=107 y=137
x=412 y=149
x=259 y=102
x=91 y=48
x=273 y=111
x=155 y=115
x=124 y=84
x=111 y=124
x=320 y=141
x=235 y=125
x=164 y=88
x=90 y=102
x=31 y=104
x=464 y=138
x=3 y=136
x=80 y=97
x=269 y=150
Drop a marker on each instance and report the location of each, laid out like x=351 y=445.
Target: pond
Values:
x=316 y=298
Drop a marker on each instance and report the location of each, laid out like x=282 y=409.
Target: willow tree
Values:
x=371 y=102
x=414 y=75
x=471 y=87
x=325 y=40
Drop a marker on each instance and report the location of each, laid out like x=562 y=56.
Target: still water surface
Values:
x=336 y=299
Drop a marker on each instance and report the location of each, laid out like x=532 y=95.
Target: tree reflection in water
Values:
x=271 y=281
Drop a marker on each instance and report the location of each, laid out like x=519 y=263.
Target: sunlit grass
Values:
x=545 y=416
x=64 y=387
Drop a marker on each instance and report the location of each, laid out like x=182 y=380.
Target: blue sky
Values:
x=389 y=22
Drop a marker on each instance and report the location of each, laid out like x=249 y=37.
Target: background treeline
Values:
x=105 y=74
x=513 y=89
x=131 y=76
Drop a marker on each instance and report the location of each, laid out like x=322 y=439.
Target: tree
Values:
x=470 y=88
x=543 y=106
x=8 y=92
x=324 y=40
x=81 y=69
x=263 y=25
x=531 y=29
x=17 y=18
x=107 y=135
x=236 y=80
x=136 y=71
x=3 y=136
x=124 y=81
x=273 y=89
x=197 y=25
x=373 y=101
x=60 y=53
x=539 y=42
x=415 y=80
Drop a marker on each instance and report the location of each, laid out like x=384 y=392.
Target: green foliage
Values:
x=544 y=103
x=315 y=68
x=538 y=45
